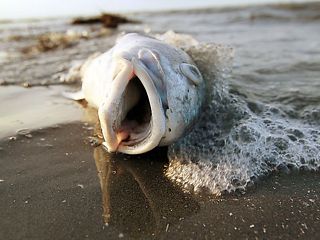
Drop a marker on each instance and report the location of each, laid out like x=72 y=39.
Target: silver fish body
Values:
x=147 y=93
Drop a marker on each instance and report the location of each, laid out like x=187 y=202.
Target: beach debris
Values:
x=47 y=145
x=1 y=180
x=13 y=138
x=55 y=40
x=60 y=40
x=4 y=82
x=106 y=19
x=120 y=235
x=80 y=186
x=26 y=85
x=312 y=200
x=24 y=132
x=95 y=142
x=28 y=135
x=167 y=227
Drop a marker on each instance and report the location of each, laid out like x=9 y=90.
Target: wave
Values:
x=236 y=142
x=305 y=12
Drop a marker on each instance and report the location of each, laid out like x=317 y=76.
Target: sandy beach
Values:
x=57 y=182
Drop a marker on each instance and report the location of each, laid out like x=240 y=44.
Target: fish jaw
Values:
x=121 y=135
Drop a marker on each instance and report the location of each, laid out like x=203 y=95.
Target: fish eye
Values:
x=191 y=72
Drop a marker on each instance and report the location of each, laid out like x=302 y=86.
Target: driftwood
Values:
x=107 y=20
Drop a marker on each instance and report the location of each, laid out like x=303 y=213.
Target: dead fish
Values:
x=147 y=93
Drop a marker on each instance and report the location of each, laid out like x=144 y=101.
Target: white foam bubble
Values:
x=236 y=141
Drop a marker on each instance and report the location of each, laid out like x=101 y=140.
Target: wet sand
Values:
x=54 y=183
x=22 y=109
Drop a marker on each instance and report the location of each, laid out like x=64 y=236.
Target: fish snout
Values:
x=132 y=118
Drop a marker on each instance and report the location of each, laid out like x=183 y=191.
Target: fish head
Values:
x=155 y=97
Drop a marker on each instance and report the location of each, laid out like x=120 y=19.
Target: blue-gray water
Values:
x=268 y=120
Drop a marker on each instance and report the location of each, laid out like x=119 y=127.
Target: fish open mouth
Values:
x=136 y=125
x=132 y=120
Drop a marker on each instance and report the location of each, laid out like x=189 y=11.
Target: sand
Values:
x=23 y=109
x=55 y=184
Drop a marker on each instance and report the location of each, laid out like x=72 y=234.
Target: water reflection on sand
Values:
x=136 y=196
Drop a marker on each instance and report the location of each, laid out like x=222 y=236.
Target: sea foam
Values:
x=236 y=141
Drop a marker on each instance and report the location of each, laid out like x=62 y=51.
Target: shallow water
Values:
x=272 y=104
x=24 y=109
x=237 y=140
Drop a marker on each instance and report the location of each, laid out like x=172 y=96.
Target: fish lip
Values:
x=111 y=111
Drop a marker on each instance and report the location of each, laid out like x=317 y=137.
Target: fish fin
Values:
x=191 y=72
x=74 y=95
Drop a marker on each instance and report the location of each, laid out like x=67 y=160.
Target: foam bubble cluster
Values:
x=236 y=140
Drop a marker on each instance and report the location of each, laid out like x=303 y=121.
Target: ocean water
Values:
x=60 y=8
x=263 y=98
x=238 y=140
x=263 y=109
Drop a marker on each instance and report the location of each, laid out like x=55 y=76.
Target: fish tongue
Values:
x=122 y=135
x=126 y=130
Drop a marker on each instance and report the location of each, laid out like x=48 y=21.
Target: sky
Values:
x=19 y=9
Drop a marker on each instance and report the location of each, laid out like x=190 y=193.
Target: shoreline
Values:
x=34 y=108
x=56 y=183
